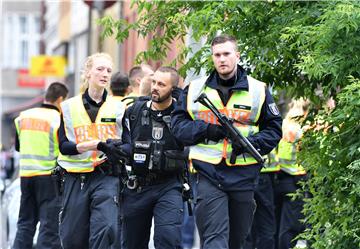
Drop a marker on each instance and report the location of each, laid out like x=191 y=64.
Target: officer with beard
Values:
x=157 y=160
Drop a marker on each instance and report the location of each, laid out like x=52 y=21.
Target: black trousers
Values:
x=164 y=203
x=89 y=213
x=39 y=203
x=288 y=212
x=262 y=234
x=223 y=218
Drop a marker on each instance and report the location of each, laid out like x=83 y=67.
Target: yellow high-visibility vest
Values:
x=79 y=128
x=243 y=106
x=272 y=163
x=39 y=146
x=287 y=148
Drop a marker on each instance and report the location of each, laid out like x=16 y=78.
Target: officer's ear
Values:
x=58 y=101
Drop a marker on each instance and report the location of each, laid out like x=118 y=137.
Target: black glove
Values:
x=237 y=149
x=215 y=132
x=113 y=151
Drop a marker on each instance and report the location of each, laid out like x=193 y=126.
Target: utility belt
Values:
x=151 y=157
x=153 y=179
x=105 y=168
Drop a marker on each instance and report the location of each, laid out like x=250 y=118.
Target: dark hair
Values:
x=56 y=90
x=119 y=84
x=224 y=38
x=174 y=75
x=137 y=71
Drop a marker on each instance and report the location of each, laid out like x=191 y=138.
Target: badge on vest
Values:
x=139 y=158
x=273 y=109
x=244 y=107
x=157 y=132
x=108 y=120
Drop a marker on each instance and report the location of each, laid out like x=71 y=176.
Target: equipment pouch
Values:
x=141 y=157
x=175 y=161
x=156 y=157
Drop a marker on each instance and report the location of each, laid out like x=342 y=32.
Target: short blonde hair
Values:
x=87 y=66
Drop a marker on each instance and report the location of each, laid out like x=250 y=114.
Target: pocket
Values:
x=141 y=157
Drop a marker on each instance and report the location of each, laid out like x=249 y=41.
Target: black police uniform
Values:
x=88 y=217
x=158 y=193
x=225 y=197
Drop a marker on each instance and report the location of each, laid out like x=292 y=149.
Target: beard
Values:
x=157 y=98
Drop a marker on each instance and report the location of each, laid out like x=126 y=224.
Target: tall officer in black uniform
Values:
x=154 y=189
x=225 y=198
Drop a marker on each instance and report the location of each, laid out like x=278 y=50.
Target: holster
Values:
x=187 y=192
x=57 y=176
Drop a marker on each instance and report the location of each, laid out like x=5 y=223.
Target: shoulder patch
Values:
x=273 y=109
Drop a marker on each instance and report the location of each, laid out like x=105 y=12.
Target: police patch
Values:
x=157 y=133
x=273 y=109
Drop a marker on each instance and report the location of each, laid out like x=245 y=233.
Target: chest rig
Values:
x=152 y=142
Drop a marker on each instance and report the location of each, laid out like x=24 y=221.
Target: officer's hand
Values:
x=113 y=150
x=237 y=149
x=215 y=132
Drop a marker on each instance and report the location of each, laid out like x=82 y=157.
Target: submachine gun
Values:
x=233 y=134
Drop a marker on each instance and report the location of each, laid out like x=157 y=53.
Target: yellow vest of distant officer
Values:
x=287 y=148
x=39 y=147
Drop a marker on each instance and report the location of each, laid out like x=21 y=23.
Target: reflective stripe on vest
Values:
x=244 y=106
x=37 y=131
x=272 y=163
x=79 y=128
x=287 y=148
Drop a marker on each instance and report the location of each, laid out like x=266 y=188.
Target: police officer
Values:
x=136 y=75
x=225 y=192
x=38 y=145
x=157 y=160
x=263 y=229
x=288 y=211
x=90 y=198
x=119 y=85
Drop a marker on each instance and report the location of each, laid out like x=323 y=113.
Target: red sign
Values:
x=26 y=80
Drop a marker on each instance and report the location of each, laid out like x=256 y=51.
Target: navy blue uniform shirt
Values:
x=191 y=132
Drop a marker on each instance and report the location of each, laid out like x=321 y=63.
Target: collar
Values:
x=240 y=84
x=160 y=113
x=48 y=106
x=91 y=101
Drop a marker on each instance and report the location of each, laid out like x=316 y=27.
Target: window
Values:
x=37 y=24
x=24 y=53
x=23 y=25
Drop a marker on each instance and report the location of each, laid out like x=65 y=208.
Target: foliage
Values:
x=332 y=157
x=300 y=47
x=296 y=46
